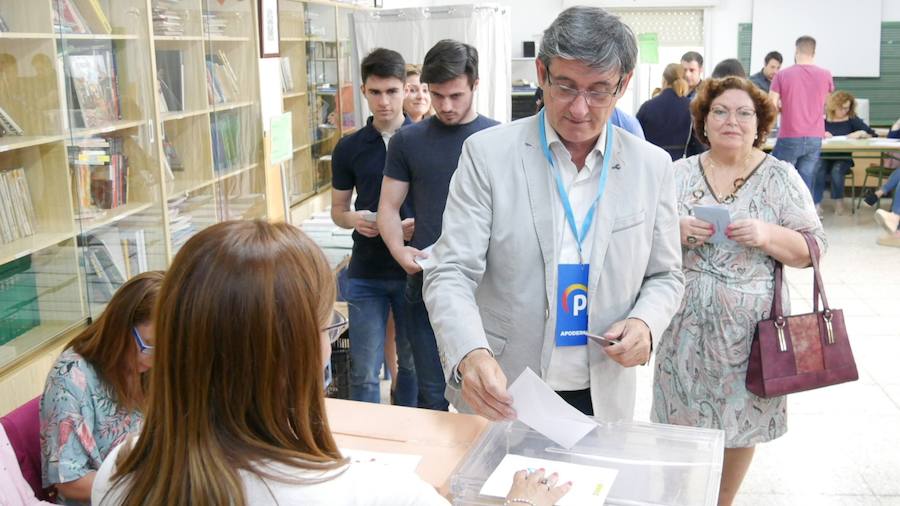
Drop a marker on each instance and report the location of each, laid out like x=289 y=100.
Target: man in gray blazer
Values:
x=558 y=225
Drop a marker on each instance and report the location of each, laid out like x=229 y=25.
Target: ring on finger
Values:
x=691 y=239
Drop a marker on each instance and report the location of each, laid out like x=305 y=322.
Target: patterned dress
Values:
x=701 y=363
x=80 y=421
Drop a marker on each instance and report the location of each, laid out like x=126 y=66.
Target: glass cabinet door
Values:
x=40 y=290
x=348 y=73
x=232 y=52
x=299 y=172
x=322 y=73
x=111 y=141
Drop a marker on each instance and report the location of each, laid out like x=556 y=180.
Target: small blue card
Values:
x=572 y=304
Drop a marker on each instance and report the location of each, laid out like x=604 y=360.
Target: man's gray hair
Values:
x=592 y=36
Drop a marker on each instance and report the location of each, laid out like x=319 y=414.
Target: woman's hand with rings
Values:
x=536 y=488
x=694 y=232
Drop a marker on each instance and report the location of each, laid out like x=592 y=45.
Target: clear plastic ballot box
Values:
x=657 y=464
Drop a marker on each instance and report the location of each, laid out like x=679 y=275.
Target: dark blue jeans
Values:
x=802 y=153
x=429 y=372
x=834 y=172
x=368 y=301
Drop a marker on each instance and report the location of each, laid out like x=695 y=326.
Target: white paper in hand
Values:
x=540 y=408
x=719 y=217
x=426 y=262
x=590 y=485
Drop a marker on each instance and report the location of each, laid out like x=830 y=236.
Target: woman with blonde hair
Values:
x=666 y=118
x=236 y=411
x=417 y=104
x=840 y=120
x=94 y=394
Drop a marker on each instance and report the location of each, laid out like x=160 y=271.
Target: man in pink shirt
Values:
x=800 y=92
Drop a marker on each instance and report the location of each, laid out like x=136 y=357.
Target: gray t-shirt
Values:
x=426 y=155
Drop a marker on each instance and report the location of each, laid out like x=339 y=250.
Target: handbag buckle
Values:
x=779 y=326
x=826 y=315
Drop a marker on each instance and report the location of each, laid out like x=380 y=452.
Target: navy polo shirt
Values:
x=358 y=162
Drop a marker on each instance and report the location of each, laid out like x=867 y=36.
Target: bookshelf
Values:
x=126 y=126
x=319 y=87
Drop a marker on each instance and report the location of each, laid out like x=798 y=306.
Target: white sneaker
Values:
x=888 y=220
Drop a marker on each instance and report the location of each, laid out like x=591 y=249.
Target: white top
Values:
x=569 y=367
x=361 y=484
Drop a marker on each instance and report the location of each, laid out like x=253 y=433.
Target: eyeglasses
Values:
x=143 y=347
x=721 y=114
x=338 y=325
x=594 y=98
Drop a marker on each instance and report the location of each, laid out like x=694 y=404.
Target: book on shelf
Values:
x=214 y=24
x=8 y=125
x=67 y=18
x=100 y=171
x=93 y=95
x=19 y=310
x=17 y=214
x=221 y=80
x=166 y=20
x=287 y=79
x=94 y=15
x=170 y=71
x=172 y=161
x=226 y=134
x=3 y=26
x=104 y=263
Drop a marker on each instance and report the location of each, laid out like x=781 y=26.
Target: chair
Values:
x=23 y=428
x=879 y=172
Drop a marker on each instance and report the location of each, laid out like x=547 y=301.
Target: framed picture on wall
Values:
x=269 y=35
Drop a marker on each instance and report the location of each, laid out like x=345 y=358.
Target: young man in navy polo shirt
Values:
x=376 y=281
x=420 y=163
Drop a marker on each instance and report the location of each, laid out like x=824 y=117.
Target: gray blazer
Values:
x=493 y=280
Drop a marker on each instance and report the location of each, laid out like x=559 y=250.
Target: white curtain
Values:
x=413 y=31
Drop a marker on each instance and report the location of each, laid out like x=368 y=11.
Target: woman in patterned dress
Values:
x=94 y=392
x=702 y=359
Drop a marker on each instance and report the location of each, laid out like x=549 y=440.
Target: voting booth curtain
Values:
x=413 y=31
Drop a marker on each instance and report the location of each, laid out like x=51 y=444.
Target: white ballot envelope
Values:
x=369 y=215
x=590 y=485
x=719 y=217
x=542 y=409
x=426 y=262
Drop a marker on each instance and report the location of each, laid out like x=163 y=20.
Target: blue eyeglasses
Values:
x=143 y=347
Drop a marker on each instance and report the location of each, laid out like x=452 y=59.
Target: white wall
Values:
x=529 y=17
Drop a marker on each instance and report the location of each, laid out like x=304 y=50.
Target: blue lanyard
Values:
x=564 y=195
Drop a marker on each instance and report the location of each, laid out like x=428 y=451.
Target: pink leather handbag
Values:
x=800 y=352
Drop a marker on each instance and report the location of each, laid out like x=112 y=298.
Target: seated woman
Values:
x=236 y=410
x=840 y=119
x=666 y=118
x=94 y=393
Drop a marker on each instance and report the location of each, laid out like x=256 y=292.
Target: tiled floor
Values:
x=843 y=442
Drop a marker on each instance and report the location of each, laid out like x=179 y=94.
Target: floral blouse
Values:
x=80 y=421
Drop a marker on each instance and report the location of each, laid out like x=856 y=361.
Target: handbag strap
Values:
x=818 y=286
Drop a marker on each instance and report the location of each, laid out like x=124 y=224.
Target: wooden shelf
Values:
x=187 y=186
x=111 y=216
x=114 y=126
x=26 y=35
x=178 y=38
x=28 y=245
x=177 y=115
x=39 y=336
x=94 y=36
x=302 y=147
x=228 y=106
x=226 y=38
x=233 y=173
x=295 y=39
x=14 y=142
x=294 y=94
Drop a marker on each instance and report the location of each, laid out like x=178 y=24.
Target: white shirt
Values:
x=569 y=367
x=358 y=484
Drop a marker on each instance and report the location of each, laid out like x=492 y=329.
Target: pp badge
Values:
x=572 y=304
